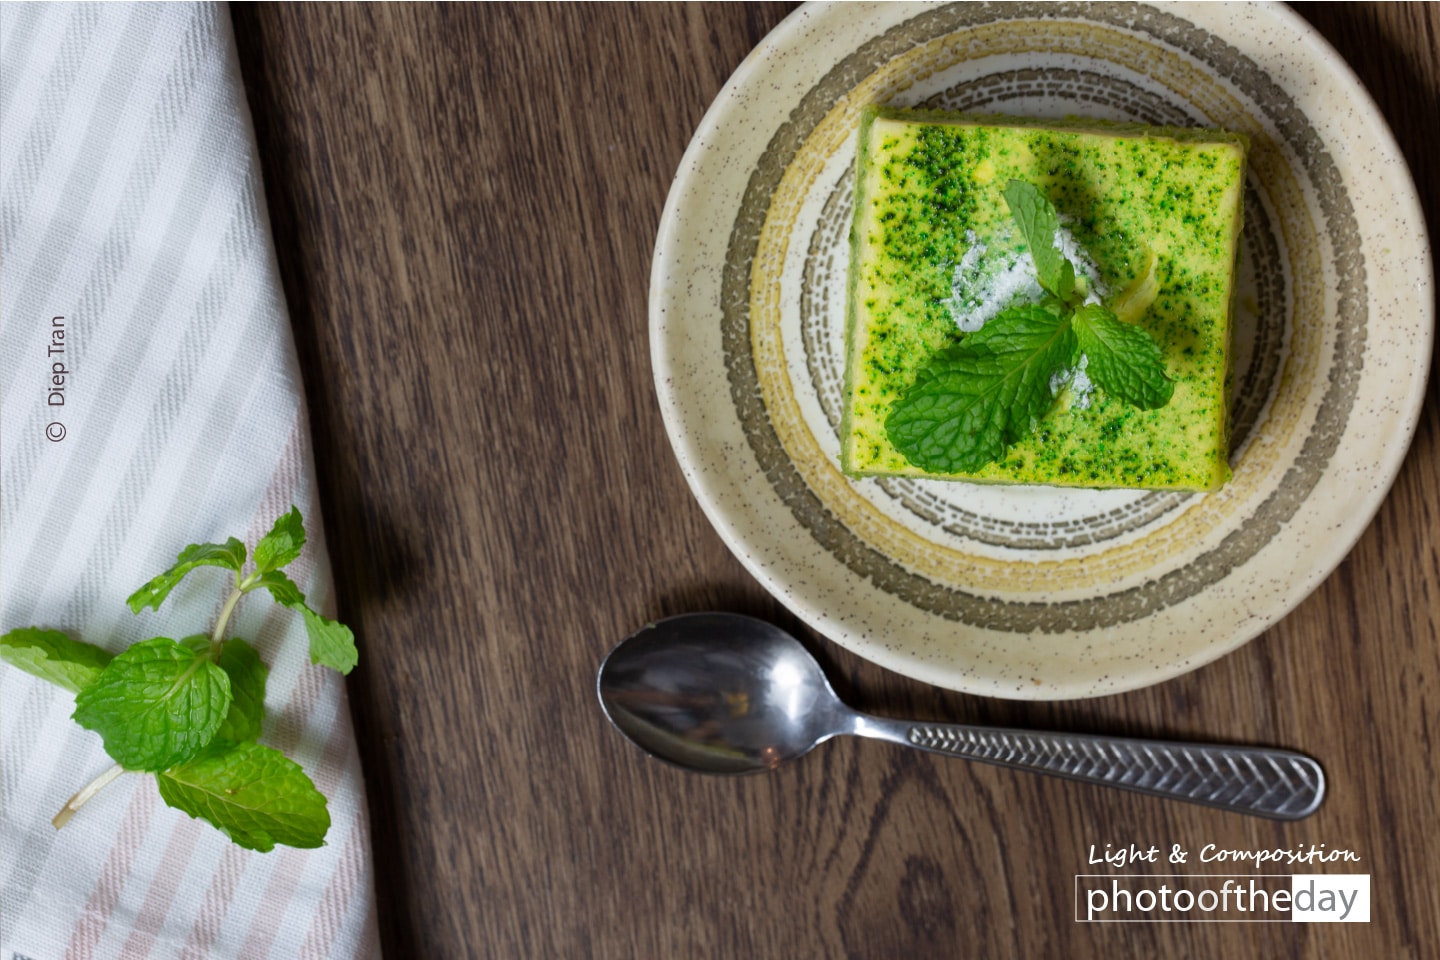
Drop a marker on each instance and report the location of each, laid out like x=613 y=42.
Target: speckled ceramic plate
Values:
x=1039 y=592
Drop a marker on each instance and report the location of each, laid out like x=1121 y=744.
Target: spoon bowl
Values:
x=729 y=694
x=719 y=693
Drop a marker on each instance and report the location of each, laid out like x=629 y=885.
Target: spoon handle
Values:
x=1269 y=783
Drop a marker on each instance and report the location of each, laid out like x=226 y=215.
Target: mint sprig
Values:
x=190 y=711
x=974 y=400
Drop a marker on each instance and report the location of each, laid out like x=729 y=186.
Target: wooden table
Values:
x=465 y=201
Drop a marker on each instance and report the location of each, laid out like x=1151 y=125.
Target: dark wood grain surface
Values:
x=465 y=201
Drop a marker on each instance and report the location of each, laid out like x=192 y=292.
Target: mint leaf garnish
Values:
x=1123 y=359
x=252 y=793
x=979 y=397
x=247 y=691
x=156 y=704
x=974 y=400
x=54 y=656
x=230 y=555
x=1038 y=222
x=331 y=644
x=282 y=544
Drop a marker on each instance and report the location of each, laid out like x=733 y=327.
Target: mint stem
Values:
x=218 y=637
x=86 y=792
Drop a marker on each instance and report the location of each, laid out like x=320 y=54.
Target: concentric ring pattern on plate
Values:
x=1041 y=592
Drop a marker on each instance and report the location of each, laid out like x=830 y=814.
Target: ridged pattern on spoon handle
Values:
x=1270 y=783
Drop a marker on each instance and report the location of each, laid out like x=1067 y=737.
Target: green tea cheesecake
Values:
x=1146 y=223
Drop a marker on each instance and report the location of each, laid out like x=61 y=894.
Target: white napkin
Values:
x=131 y=206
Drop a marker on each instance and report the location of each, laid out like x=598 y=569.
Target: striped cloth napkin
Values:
x=132 y=216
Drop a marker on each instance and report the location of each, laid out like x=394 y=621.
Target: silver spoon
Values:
x=723 y=693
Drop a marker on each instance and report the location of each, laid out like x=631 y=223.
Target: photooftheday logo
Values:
x=1223 y=898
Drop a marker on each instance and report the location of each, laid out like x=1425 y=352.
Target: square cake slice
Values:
x=1151 y=219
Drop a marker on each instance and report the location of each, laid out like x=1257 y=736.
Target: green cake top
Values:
x=1146 y=213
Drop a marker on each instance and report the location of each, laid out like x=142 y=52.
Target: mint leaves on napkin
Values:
x=189 y=711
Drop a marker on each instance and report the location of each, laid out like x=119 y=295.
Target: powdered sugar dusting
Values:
x=992 y=277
